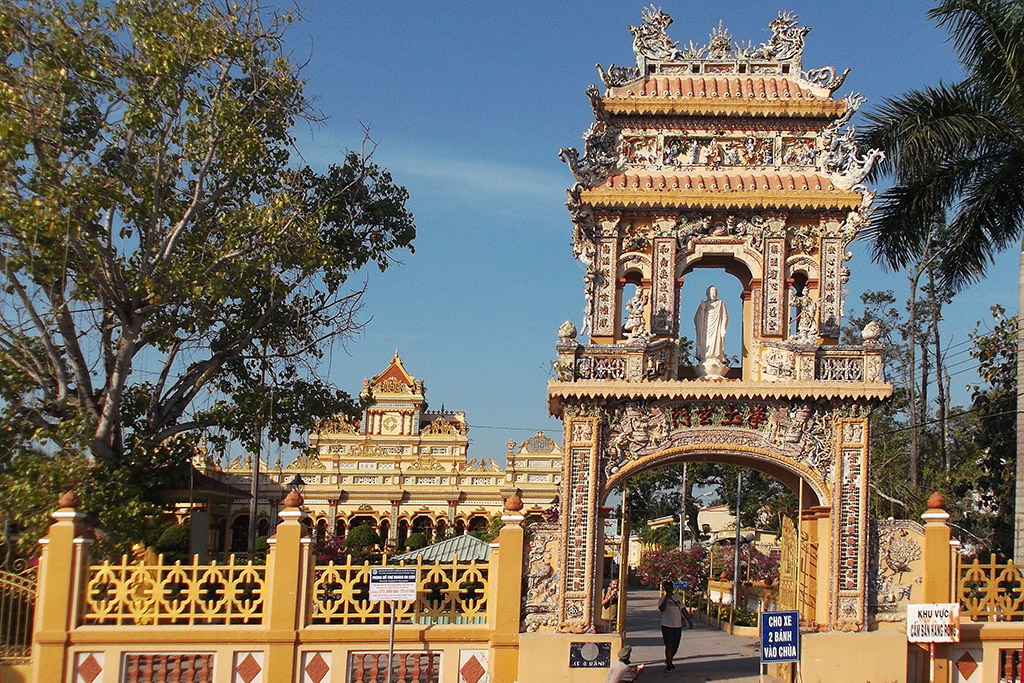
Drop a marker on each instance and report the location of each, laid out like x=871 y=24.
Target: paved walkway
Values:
x=705 y=654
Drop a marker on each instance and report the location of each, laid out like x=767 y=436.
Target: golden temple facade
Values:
x=401 y=468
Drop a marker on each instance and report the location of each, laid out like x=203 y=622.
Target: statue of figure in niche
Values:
x=711 y=320
x=806 y=318
x=634 y=326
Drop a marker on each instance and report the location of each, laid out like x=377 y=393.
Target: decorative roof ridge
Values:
x=393 y=379
x=657 y=54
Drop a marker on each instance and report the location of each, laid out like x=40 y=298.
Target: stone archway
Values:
x=815 y=444
x=737 y=160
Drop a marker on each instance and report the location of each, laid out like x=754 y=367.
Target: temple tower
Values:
x=730 y=157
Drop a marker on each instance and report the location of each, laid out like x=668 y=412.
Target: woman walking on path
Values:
x=672 y=613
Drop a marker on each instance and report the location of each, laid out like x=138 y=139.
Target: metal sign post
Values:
x=391 y=640
x=391 y=584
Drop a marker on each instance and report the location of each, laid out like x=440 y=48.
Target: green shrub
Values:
x=175 y=543
x=362 y=538
x=416 y=541
x=260 y=548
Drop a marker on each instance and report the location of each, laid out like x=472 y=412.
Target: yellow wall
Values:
x=15 y=673
x=545 y=657
x=879 y=657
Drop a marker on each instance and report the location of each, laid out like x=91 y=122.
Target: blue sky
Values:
x=469 y=103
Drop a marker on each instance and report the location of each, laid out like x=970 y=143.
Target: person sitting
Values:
x=622 y=671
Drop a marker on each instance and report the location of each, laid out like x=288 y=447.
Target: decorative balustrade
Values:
x=785 y=362
x=991 y=591
x=615 y=362
x=776 y=361
x=239 y=611
x=182 y=595
x=446 y=593
x=17 y=604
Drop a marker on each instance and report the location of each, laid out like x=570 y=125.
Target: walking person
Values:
x=622 y=671
x=673 y=611
x=610 y=605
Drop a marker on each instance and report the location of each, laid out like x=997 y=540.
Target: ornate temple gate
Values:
x=729 y=157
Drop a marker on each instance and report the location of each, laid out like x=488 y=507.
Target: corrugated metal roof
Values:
x=464 y=547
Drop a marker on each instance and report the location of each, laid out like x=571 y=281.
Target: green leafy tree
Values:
x=957 y=149
x=165 y=267
x=174 y=543
x=985 y=489
x=362 y=540
x=494 y=527
x=416 y=541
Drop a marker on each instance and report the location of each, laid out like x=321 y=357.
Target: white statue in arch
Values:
x=806 y=320
x=711 y=320
x=634 y=325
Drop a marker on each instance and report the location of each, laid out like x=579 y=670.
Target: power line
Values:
x=518 y=429
x=950 y=417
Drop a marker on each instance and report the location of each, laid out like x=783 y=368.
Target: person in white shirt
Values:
x=673 y=611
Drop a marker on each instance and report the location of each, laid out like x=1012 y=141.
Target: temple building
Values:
x=401 y=469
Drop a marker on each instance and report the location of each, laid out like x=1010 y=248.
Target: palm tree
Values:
x=958 y=150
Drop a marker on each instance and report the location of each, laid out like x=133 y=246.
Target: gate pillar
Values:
x=579 y=554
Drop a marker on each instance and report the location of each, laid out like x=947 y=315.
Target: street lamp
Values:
x=296 y=484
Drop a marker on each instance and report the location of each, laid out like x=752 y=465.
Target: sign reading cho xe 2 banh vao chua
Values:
x=780 y=637
x=935 y=622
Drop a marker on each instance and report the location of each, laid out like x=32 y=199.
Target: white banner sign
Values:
x=937 y=622
x=392 y=583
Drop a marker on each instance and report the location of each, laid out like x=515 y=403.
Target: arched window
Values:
x=731 y=281
x=403 y=532
x=240 y=534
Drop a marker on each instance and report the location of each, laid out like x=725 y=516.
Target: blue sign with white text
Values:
x=780 y=637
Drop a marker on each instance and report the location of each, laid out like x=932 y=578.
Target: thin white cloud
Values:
x=443 y=174
x=486 y=179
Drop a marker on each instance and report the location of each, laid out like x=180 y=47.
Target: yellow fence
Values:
x=287 y=621
x=991 y=591
x=446 y=593
x=181 y=595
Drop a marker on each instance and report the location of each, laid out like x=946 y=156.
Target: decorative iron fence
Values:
x=17 y=607
x=991 y=591
x=158 y=594
x=446 y=593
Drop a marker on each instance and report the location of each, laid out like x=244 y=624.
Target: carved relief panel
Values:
x=773 y=287
x=580 y=482
x=831 y=286
x=663 y=308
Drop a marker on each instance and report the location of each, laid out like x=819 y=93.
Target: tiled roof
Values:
x=712 y=389
x=732 y=86
x=721 y=181
x=465 y=547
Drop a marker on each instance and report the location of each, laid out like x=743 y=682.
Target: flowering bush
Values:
x=762 y=567
x=329 y=549
x=694 y=564
x=674 y=565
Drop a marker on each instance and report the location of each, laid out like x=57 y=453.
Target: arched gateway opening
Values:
x=735 y=163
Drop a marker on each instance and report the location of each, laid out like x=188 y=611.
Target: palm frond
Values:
x=919 y=129
x=989 y=37
x=989 y=218
x=906 y=213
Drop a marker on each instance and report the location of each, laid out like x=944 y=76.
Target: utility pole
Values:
x=683 y=519
x=736 y=548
